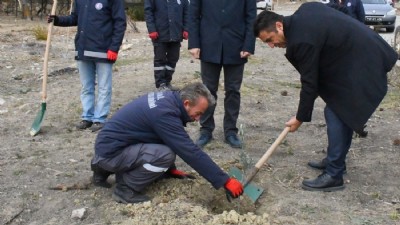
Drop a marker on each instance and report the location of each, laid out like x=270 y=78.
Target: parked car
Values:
x=264 y=4
x=379 y=14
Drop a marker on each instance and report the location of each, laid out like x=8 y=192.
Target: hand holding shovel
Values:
x=251 y=190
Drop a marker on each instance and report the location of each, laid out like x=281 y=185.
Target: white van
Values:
x=264 y=4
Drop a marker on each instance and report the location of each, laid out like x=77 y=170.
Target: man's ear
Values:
x=186 y=103
x=279 y=25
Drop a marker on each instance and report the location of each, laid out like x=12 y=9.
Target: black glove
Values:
x=51 y=18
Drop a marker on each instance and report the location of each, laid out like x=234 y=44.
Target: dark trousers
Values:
x=166 y=55
x=233 y=76
x=339 y=141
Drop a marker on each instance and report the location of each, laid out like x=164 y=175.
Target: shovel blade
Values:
x=35 y=128
x=251 y=190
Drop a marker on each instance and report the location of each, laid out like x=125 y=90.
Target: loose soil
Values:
x=59 y=156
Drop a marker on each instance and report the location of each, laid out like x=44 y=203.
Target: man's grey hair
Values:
x=193 y=91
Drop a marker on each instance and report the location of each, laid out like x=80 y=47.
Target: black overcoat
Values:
x=339 y=59
x=222 y=29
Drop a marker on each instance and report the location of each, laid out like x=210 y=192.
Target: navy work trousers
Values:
x=166 y=55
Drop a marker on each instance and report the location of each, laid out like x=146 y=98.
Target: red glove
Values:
x=153 y=35
x=233 y=187
x=185 y=35
x=111 y=55
x=179 y=174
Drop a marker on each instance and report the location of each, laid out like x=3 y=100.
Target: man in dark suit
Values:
x=340 y=60
x=221 y=36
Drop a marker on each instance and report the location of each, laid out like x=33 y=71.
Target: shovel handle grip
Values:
x=46 y=53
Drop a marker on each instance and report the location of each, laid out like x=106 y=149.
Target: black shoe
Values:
x=204 y=139
x=124 y=194
x=321 y=165
x=323 y=182
x=172 y=88
x=233 y=141
x=84 y=124
x=163 y=87
x=96 y=126
x=100 y=176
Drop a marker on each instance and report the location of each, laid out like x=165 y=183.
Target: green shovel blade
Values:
x=38 y=120
x=252 y=191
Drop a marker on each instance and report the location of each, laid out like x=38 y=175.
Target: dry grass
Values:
x=40 y=32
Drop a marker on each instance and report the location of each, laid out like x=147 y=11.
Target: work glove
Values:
x=51 y=18
x=233 y=187
x=153 y=35
x=179 y=174
x=185 y=35
x=111 y=55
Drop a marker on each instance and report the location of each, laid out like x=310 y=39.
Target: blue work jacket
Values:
x=101 y=27
x=355 y=8
x=167 y=17
x=159 y=118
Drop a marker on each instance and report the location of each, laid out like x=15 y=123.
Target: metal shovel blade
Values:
x=38 y=120
x=252 y=191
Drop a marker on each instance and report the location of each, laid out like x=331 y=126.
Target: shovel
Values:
x=39 y=117
x=250 y=189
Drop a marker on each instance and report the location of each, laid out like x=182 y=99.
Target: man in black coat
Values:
x=221 y=36
x=340 y=60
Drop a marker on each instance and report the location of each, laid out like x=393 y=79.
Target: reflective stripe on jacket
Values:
x=101 y=27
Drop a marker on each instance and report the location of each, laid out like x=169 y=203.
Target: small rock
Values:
x=284 y=93
x=2 y=101
x=17 y=77
x=73 y=160
x=126 y=47
x=25 y=90
x=78 y=213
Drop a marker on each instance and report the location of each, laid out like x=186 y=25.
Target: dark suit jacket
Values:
x=222 y=29
x=339 y=59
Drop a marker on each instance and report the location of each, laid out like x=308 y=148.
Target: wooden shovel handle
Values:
x=267 y=154
x=46 y=53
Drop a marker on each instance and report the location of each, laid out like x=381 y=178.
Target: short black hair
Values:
x=266 y=20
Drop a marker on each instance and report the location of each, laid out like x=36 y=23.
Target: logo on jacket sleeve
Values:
x=178 y=1
x=98 y=6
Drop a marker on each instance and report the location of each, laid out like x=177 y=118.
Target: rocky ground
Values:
x=59 y=156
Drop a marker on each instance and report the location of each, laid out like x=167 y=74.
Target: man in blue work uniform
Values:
x=140 y=142
x=167 y=24
x=101 y=27
x=355 y=8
